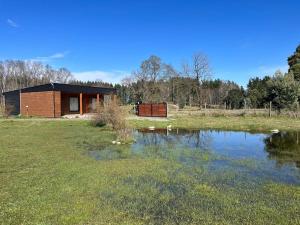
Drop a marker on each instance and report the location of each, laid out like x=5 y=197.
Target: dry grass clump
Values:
x=112 y=114
x=5 y=111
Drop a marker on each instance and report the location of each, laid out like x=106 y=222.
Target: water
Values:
x=253 y=156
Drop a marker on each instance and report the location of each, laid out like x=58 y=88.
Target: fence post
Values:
x=167 y=110
x=270 y=109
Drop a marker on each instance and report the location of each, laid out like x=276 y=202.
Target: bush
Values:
x=115 y=116
x=2 y=110
x=98 y=121
x=5 y=111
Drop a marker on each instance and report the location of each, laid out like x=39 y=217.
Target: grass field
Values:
x=46 y=177
x=248 y=123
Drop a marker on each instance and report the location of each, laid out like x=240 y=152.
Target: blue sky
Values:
x=108 y=39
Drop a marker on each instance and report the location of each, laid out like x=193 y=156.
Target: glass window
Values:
x=94 y=104
x=107 y=99
x=74 y=104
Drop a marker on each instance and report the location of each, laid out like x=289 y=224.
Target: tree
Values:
x=170 y=75
x=294 y=64
x=283 y=91
x=201 y=72
x=257 y=91
x=235 y=98
x=16 y=74
x=62 y=76
x=146 y=77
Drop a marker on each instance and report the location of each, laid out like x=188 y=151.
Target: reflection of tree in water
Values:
x=186 y=146
x=176 y=138
x=284 y=147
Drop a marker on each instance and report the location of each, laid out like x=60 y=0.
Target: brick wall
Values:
x=57 y=103
x=41 y=103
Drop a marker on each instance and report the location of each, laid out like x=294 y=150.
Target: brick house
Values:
x=55 y=100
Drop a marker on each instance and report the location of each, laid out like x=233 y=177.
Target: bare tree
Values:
x=16 y=74
x=201 y=72
x=201 y=67
x=170 y=76
x=62 y=76
x=147 y=78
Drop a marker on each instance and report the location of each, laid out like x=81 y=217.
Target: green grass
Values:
x=248 y=123
x=46 y=177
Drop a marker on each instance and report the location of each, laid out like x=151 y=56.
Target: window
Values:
x=74 y=104
x=107 y=99
x=94 y=104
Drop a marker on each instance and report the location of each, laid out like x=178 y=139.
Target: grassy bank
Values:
x=250 y=123
x=47 y=177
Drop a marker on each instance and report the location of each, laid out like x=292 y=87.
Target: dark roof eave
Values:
x=69 y=88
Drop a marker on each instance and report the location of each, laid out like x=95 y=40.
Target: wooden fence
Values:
x=152 y=109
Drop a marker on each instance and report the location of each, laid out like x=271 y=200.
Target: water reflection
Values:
x=283 y=147
x=174 y=138
x=227 y=143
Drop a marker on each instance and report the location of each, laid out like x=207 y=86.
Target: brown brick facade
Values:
x=45 y=104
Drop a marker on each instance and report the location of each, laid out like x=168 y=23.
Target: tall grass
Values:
x=196 y=111
x=113 y=115
x=5 y=110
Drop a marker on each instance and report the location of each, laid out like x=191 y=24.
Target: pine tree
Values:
x=294 y=63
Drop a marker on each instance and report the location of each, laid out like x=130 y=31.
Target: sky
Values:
x=107 y=40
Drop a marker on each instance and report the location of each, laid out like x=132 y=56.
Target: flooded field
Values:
x=264 y=156
x=67 y=172
x=244 y=178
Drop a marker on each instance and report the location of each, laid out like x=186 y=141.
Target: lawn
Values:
x=46 y=177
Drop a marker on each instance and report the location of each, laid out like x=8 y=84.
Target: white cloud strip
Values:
x=58 y=55
x=12 y=23
x=113 y=77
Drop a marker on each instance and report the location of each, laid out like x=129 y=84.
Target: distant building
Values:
x=55 y=100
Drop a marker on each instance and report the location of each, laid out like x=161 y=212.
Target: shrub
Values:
x=98 y=121
x=2 y=110
x=5 y=111
x=115 y=116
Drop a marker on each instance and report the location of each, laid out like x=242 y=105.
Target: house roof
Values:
x=67 y=88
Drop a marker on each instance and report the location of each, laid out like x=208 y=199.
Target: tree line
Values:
x=16 y=74
x=157 y=81
x=282 y=90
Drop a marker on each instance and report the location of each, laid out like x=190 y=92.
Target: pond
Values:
x=263 y=155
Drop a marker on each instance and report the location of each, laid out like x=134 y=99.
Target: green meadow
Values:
x=47 y=177
x=242 y=123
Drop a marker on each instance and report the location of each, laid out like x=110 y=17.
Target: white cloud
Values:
x=12 y=23
x=58 y=55
x=113 y=77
